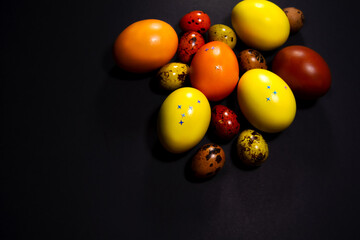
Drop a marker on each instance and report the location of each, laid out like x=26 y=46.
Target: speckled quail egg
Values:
x=252 y=148
x=189 y=44
x=250 y=59
x=173 y=75
x=296 y=19
x=222 y=33
x=208 y=160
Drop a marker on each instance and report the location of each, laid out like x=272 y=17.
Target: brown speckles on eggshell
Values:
x=208 y=160
x=173 y=75
x=250 y=59
x=252 y=148
x=296 y=18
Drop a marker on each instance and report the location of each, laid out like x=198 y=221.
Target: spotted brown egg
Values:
x=208 y=160
x=252 y=148
x=296 y=19
x=250 y=59
x=173 y=75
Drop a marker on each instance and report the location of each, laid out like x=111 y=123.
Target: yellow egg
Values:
x=260 y=24
x=266 y=100
x=183 y=120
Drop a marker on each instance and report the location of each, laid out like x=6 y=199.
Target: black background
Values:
x=80 y=155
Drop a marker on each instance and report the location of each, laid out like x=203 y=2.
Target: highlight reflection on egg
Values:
x=183 y=120
x=266 y=100
x=208 y=160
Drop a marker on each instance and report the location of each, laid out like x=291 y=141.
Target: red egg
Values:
x=224 y=122
x=189 y=44
x=304 y=70
x=195 y=21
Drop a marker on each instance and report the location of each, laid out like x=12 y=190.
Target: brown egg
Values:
x=250 y=59
x=296 y=18
x=208 y=160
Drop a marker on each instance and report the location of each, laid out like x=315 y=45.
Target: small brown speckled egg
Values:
x=250 y=59
x=173 y=75
x=296 y=18
x=208 y=160
x=252 y=148
x=222 y=33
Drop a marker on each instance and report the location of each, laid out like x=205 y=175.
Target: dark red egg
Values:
x=195 y=21
x=304 y=70
x=189 y=44
x=224 y=122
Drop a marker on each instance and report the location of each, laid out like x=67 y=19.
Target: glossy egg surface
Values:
x=260 y=24
x=145 y=46
x=197 y=20
x=250 y=59
x=266 y=100
x=183 y=120
x=214 y=70
x=305 y=70
x=208 y=160
x=224 y=122
x=222 y=33
x=189 y=44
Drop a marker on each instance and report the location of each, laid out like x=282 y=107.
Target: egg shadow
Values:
x=295 y=39
x=190 y=176
x=155 y=87
x=214 y=138
x=161 y=154
x=115 y=72
x=120 y=74
x=157 y=150
x=305 y=104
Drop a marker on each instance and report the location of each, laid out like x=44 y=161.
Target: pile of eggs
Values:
x=208 y=70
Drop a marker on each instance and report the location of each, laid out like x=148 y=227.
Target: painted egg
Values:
x=197 y=21
x=173 y=75
x=183 y=120
x=224 y=122
x=208 y=160
x=214 y=70
x=266 y=101
x=145 y=46
x=189 y=44
x=305 y=70
x=260 y=24
x=222 y=33
x=250 y=59
x=252 y=148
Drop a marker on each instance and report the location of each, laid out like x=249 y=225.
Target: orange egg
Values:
x=145 y=46
x=214 y=70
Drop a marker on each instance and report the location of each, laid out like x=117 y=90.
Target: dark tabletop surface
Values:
x=80 y=155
